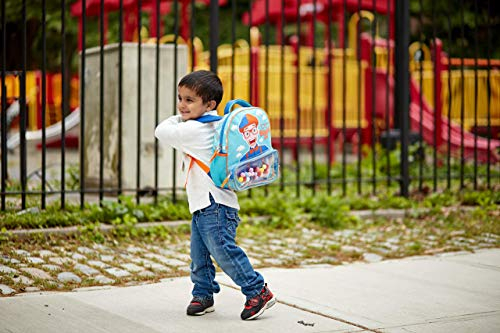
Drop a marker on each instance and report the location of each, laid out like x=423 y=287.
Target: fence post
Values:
x=402 y=87
x=214 y=34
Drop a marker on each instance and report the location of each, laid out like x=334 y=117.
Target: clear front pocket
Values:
x=258 y=171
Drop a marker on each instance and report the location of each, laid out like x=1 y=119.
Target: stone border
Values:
x=106 y=228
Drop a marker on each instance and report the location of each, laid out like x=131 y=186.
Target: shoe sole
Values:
x=269 y=304
x=207 y=310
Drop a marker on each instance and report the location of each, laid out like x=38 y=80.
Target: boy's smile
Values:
x=190 y=105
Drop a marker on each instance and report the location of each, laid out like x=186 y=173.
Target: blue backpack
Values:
x=242 y=153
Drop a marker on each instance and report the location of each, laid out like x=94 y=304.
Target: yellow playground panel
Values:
x=471 y=104
x=13 y=92
x=313 y=81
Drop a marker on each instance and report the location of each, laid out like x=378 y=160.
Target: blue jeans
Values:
x=213 y=232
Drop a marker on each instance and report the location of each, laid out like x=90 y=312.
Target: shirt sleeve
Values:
x=181 y=135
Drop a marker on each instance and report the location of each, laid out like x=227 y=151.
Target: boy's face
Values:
x=190 y=105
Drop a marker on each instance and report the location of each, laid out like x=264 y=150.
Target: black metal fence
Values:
x=380 y=94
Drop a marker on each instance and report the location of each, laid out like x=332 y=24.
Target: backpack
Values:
x=243 y=156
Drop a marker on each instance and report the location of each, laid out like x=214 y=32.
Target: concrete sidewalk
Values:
x=458 y=292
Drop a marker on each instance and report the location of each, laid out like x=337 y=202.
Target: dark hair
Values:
x=205 y=84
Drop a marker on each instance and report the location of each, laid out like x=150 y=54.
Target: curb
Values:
x=106 y=228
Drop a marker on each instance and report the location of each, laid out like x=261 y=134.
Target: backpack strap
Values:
x=232 y=102
x=202 y=165
x=208 y=118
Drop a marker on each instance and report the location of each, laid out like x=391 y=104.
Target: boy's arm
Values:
x=181 y=135
x=169 y=131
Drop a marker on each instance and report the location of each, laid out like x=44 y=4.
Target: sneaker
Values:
x=200 y=306
x=256 y=306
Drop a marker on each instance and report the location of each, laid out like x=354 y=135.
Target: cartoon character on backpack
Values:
x=243 y=155
x=249 y=129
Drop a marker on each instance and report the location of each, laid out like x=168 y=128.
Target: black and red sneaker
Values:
x=200 y=306
x=256 y=306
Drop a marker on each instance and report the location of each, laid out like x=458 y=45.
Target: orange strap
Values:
x=202 y=165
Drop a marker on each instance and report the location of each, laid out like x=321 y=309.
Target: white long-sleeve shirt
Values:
x=195 y=139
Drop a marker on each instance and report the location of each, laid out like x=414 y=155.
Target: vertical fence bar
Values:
x=488 y=90
x=250 y=71
x=448 y=156
x=44 y=102
x=193 y=26
x=329 y=106
x=297 y=102
x=139 y=109
x=437 y=99
x=282 y=95
x=402 y=87
x=476 y=55
x=214 y=33
x=233 y=42
x=174 y=100
x=313 y=106
x=387 y=90
x=63 y=103
x=101 y=102
x=421 y=98
x=462 y=96
x=120 y=100
x=358 y=119
x=3 y=115
x=373 y=94
x=22 y=115
x=82 y=106
x=344 y=97
x=157 y=93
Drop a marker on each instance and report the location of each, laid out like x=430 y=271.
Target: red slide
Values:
x=428 y=122
x=455 y=130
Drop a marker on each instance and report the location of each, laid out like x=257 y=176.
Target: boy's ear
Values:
x=211 y=104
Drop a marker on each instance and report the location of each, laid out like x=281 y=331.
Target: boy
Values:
x=215 y=210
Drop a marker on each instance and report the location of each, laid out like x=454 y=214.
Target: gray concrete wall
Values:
x=167 y=99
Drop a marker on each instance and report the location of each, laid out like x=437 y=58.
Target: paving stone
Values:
x=35 y=260
x=101 y=248
x=7 y=269
x=117 y=272
x=278 y=242
x=87 y=270
x=46 y=253
x=78 y=256
x=61 y=261
x=6 y=290
x=247 y=241
x=146 y=273
x=9 y=259
x=132 y=268
x=22 y=252
x=85 y=250
x=349 y=248
x=52 y=268
x=68 y=277
x=103 y=279
x=255 y=261
x=37 y=273
x=372 y=257
x=97 y=263
x=274 y=261
x=134 y=249
x=107 y=258
x=152 y=265
x=31 y=289
x=163 y=260
x=23 y=279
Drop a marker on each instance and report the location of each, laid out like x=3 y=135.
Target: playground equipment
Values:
x=302 y=111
